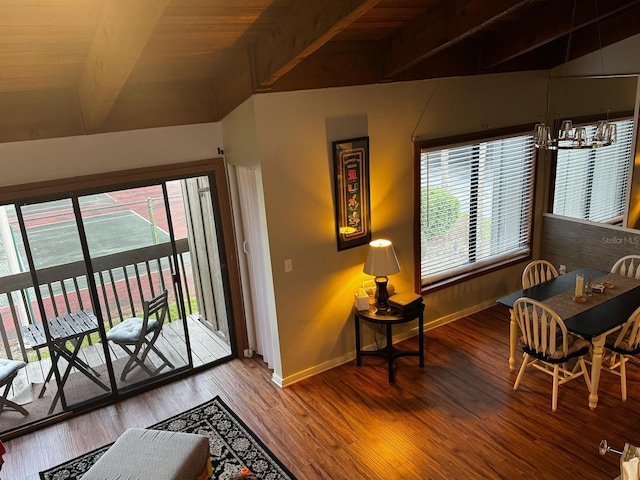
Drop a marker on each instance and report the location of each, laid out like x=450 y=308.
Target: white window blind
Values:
x=592 y=184
x=475 y=205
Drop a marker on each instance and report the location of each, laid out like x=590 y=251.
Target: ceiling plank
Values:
x=297 y=35
x=233 y=83
x=38 y=77
x=609 y=30
x=439 y=28
x=39 y=114
x=28 y=13
x=544 y=26
x=161 y=105
x=122 y=33
x=337 y=64
x=458 y=60
x=308 y=27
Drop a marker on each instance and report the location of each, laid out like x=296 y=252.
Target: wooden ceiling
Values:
x=72 y=67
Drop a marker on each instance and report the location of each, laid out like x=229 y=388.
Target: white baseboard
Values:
x=322 y=367
x=458 y=315
x=349 y=357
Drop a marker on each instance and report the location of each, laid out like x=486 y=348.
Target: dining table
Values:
x=64 y=339
x=592 y=319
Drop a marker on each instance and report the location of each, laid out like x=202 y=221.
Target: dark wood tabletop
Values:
x=595 y=319
x=550 y=288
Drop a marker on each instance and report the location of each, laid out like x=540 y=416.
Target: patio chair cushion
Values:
x=129 y=330
x=9 y=367
x=158 y=454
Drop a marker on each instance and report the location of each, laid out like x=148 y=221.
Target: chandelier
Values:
x=568 y=136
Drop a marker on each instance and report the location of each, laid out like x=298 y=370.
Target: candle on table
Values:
x=579 y=285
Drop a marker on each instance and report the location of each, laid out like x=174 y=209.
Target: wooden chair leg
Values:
x=166 y=362
x=525 y=361
x=8 y=404
x=139 y=355
x=585 y=373
x=554 y=395
x=623 y=377
x=134 y=360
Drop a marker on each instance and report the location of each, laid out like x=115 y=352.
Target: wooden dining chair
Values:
x=137 y=336
x=620 y=347
x=628 y=266
x=538 y=271
x=548 y=347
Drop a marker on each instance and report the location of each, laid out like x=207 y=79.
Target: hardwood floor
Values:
x=456 y=418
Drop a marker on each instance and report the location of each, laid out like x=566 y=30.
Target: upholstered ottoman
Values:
x=141 y=454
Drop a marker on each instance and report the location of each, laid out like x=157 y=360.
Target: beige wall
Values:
x=241 y=137
x=618 y=59
x=294 y=135
x=39 y=160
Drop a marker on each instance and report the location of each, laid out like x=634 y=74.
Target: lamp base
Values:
x=382 y=295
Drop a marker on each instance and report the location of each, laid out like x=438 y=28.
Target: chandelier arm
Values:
x=606 y=93
x=573 y=19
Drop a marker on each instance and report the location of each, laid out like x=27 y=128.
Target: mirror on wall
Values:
x=578 y=98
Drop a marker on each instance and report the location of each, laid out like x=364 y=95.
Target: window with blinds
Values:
x=476 y=203
x=592 y=184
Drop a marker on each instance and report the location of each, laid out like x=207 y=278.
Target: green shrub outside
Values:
x=443 y=211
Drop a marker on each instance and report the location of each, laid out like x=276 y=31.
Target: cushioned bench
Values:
x=141 y=454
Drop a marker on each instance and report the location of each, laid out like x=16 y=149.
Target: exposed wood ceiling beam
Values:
x=439 y=28
x=555 y=22
x=233 y=83
x=302 y=34
x=459 y=60
x=122 y=34
x=337 y=64
x=308 y=27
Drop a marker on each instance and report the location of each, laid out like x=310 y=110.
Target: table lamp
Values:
x=381 y=261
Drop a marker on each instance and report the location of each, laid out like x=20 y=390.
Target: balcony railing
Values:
x=123 y=281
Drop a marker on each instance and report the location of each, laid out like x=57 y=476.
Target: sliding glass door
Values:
x=82 y=274
x=63 y=318
x=132 y=252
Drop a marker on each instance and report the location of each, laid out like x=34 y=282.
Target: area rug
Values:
x=231 y=444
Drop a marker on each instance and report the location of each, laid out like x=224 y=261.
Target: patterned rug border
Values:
x=92 y=456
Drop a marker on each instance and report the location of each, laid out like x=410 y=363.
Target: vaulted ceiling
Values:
x=72 y=67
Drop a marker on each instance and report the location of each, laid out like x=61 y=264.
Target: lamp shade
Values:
x=381 y=259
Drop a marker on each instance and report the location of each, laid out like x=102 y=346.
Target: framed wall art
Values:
x=351 y=178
